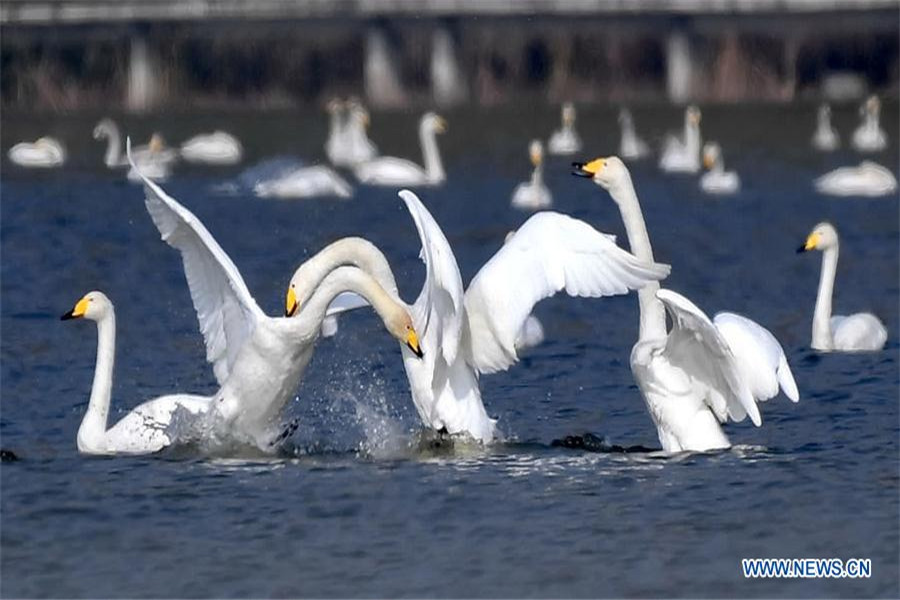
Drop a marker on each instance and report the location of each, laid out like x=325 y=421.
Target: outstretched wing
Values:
x=225 y=309
x=550 y=253
x=760 y=358
x=696 y=346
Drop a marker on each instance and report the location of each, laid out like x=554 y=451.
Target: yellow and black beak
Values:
x=811 y=242
x=290 y=304
x=412 y=342
x=77 y=312
x=588 y=169
x=708 y=161
x=441 y=125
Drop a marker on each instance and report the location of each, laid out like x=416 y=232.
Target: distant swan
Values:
x=858 y=332
x=868 y=179
x=305 y=182
x=348 y=144
x=869 y=136
x=146 y=156
x=141 y=431
x=825 y=138
x=683 y=155
x=631 y=147
x=533 y=195
x=391 y=171
x=701 y=372
x=46 y=152
x=717 y=180
x=154 y=162
x=216 y=148
x=565 y=140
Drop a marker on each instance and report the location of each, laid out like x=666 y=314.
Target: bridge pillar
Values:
x=143 y=75
x=380 y=72
x=679 y=68
x=448 y=82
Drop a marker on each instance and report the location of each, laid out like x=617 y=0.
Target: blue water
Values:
x=364 y=508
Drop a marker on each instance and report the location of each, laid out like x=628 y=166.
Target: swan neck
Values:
x=537 y=176
x=113 y=146
x=93 y=426
x=350 y=279
x=351 y=251
x=434 y=168
x=692 y=137
x=822 y=335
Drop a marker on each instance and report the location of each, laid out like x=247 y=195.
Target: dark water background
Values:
x=361 y=511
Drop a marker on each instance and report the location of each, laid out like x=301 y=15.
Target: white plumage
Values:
x=45 y=153
x=683 y=155
x=392 y=171
x=216 y=148
x=868 y=179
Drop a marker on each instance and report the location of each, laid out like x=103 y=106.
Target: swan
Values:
x=869 y=136
x=360 y=147
x=258 y=360
x=141 y=431
x=476 y=332
x=631 y=147
x=305 y=182
x=391 y=171
x=701 y=372
x=533 y=195
x=565 y=140
x=825 y=138
x=216 y=148
x=853 y=333
x=45 y=152
x=113 y=157
x=683 y=156
x=336 y=145
x=717 y=180
x=868 y=179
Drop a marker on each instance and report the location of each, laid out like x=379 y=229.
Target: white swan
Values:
x=565 y=140
x=391 y=171
x=869 y=136
x=360 y=147
x=259 y=360
x=701 y=372
x=216 y=148
x=45 y=152
x=868 y=179
x=825 y=138
x=145 y=156
x=305 y=182
x=683 y=155
x=533 y=195
x=336 y=146
x=853 y=333
x=476 y=332
x=144 y=429
x=631 y=147
x=717 y=180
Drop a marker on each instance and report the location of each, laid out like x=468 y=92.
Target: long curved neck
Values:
x=692 y=137
x=653 y=315
x=352 y=251
x=434 y=168
x=821 y=335
x=718 y=165
x=872 y=120
x=627 y=131
x=824 y=122
x=350 y=279
x=537 y=176
x=113 y=154
x=335 y=126
x=93 y=426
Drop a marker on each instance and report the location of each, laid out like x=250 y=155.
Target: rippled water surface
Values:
x=365 y=507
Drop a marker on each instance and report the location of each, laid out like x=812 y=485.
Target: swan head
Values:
x=156 y=144
x=334 y=106
x=103 y=129
x=711 y=154
x=824 y=111
x=568 y=114
x=606 y=172
x=358 y=112
x=692 y=114
x=872 y=105
x=94 y=306
x=536 y=152
x=433 y=122
x=624 y=116
x=822 y=237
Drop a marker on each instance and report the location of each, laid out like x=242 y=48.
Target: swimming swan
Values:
x=259 y=360
x=391 y=171
x=868 y=179
x=141 y=431
x=216 y=148
x=717 y=180
x=44 y=153
x=348 y=144
x=869 y=136
x=145 y=156
x=533 y=195
x=305 y=182
x=683 y=156
x=565 y=140
x=853 y=333
x=476 y=332
x=631 y=147
x=825 y=138
x=701 y=372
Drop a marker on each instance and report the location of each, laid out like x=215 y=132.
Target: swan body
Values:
x=305 y=182
x=717 y=180
x=259 y=360
x=854 y=333
x=868 y=179
x=534 y=195
x=565 y=140
x=631 y=147
x=216 y=148
x=701 y=372
x=476 y=331
x=825 y=138
x=869 y=136
x=44 y=153
x=391 y=171
x=154 y=159
x=683 y=155
x=144 y=429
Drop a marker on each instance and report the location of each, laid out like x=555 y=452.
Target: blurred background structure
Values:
x=150 y=54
